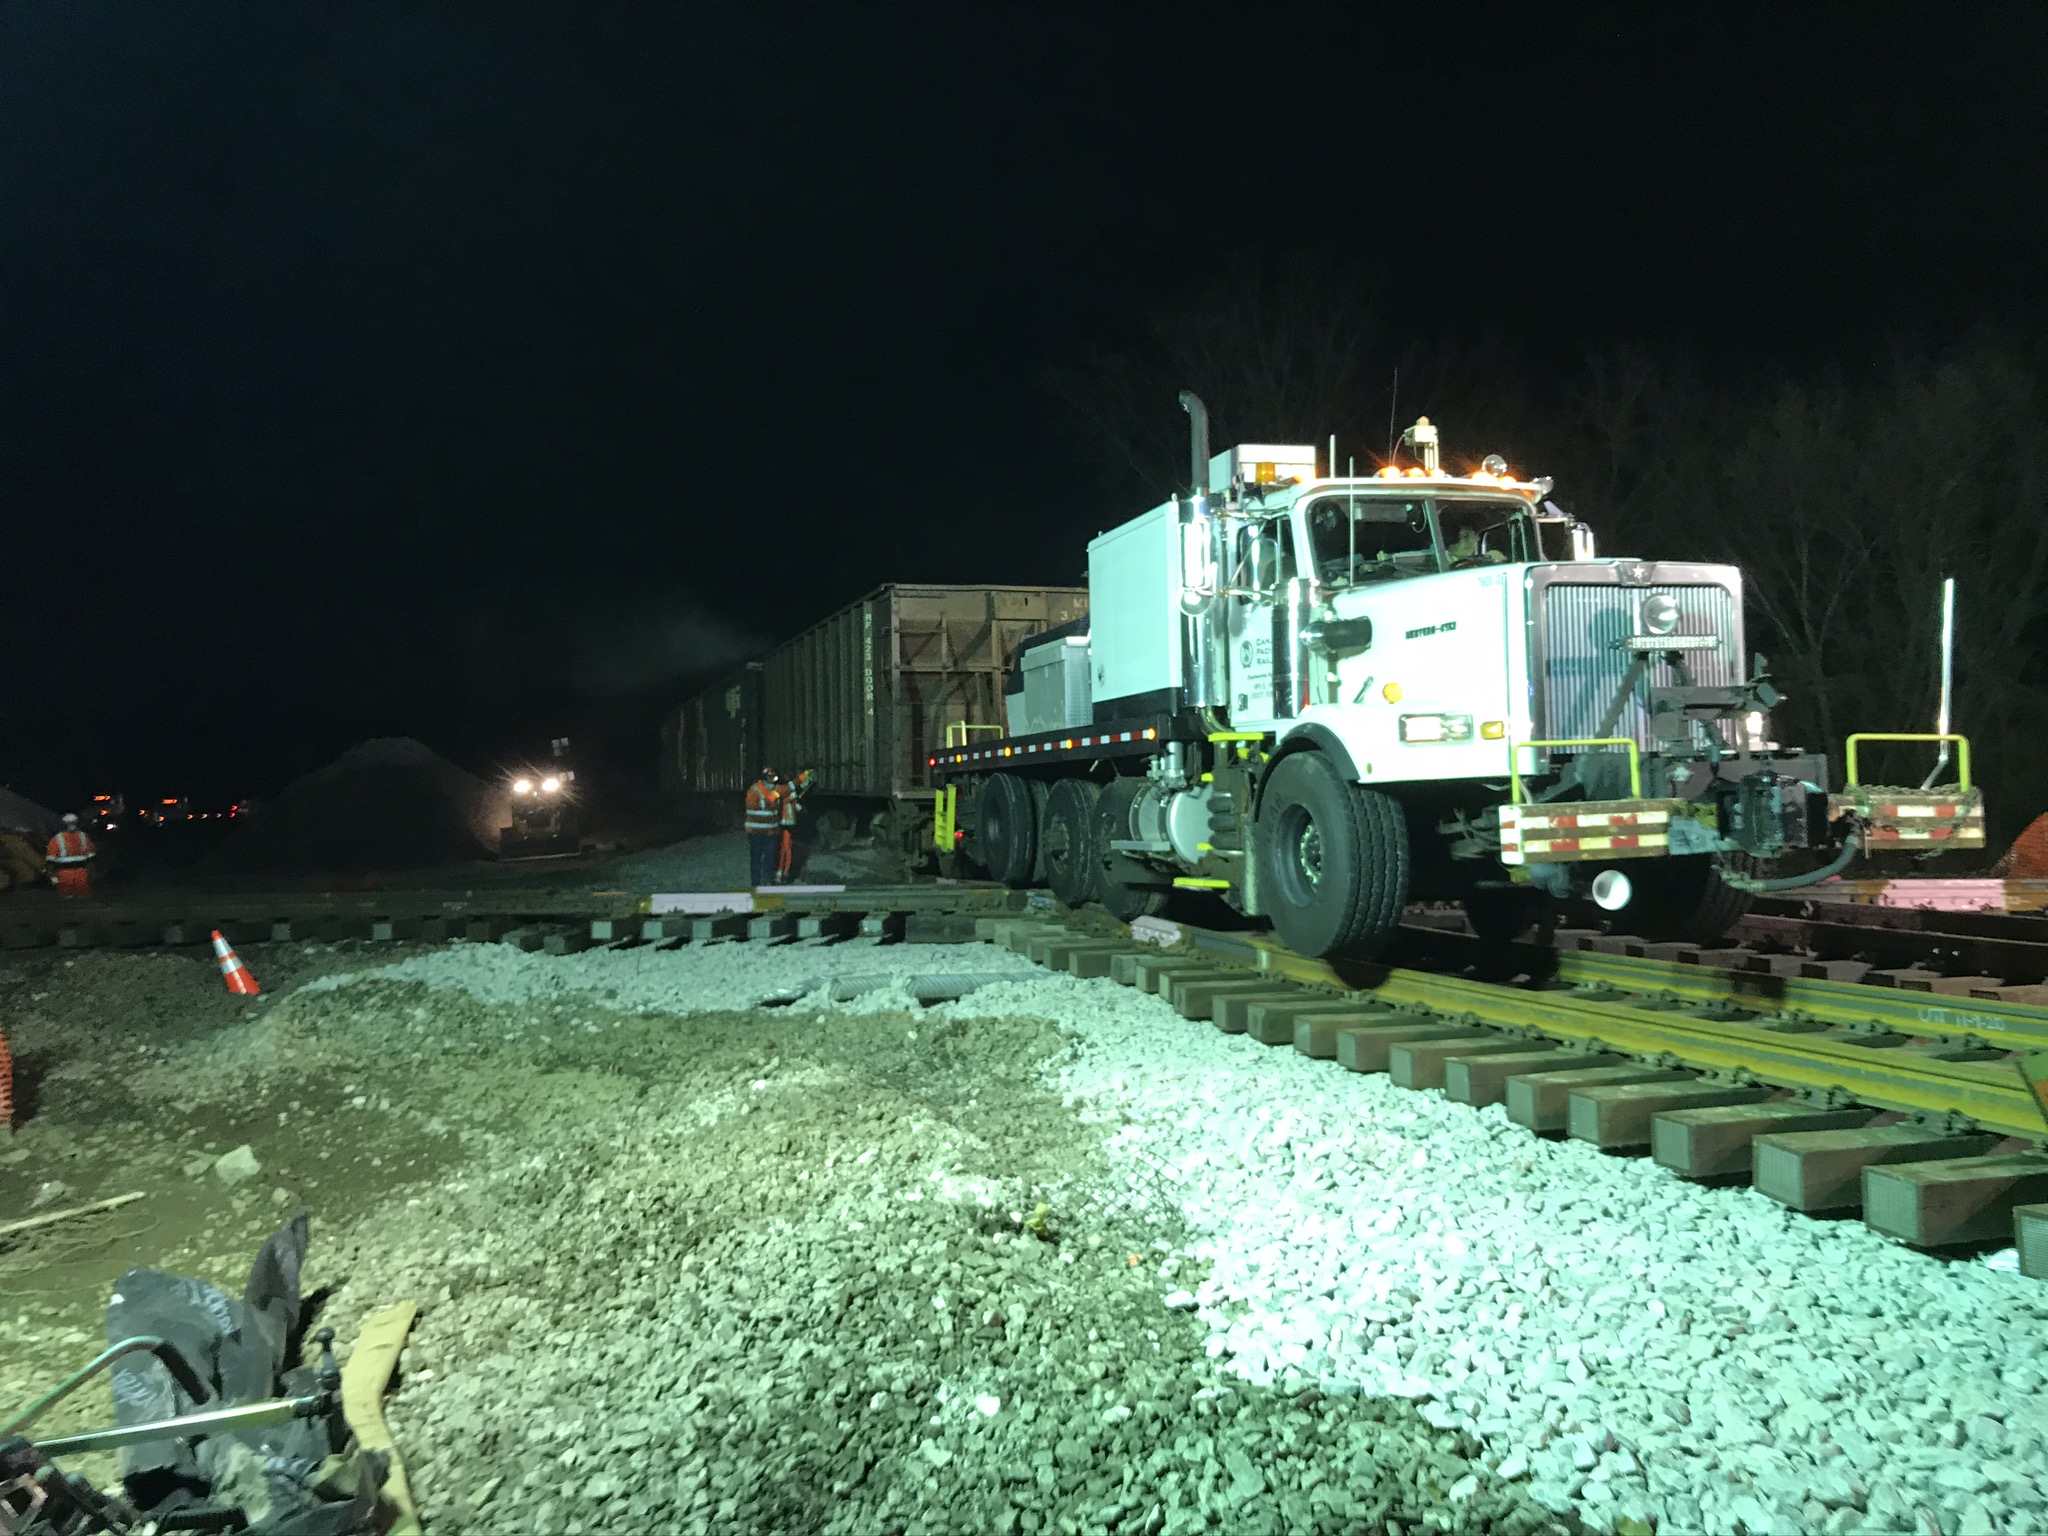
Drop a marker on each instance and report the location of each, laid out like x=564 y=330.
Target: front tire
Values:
x=1072 y=864
x=1334 y=857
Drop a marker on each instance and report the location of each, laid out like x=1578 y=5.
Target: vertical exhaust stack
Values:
x=1198 y=425
x=1948 y=674
x=1202 y=679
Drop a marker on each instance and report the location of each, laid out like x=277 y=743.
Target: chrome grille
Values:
x=1579 y=670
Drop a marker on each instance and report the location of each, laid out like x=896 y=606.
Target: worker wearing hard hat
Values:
x=70 y=854
x=764 y=826
x=785 y=845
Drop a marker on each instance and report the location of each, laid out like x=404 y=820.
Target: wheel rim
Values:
x=1308 y=855
x=1057 y=846
x=1300 y=849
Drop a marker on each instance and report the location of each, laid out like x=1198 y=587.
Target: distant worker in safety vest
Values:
x=785 y=846
x=764 y=826
x=69 y=853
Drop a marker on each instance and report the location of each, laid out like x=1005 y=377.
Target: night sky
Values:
x=483 y=372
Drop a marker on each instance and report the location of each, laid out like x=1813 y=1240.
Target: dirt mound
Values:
x=391 y=803
x=23 y=814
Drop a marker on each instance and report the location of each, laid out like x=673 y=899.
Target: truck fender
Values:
x=1308 y=738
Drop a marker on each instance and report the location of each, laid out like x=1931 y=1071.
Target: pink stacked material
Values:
x=1944 y=895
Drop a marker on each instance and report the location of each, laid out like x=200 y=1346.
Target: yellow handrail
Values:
x=1635 y=761
x=966 y=728
x=1962 y=750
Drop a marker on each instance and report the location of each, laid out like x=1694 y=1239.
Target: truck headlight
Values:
x=1660 y=613
x=550 y=786
x=1421 y=728
x=522 y=786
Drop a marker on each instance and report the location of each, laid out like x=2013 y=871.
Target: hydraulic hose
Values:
x=1851 y=846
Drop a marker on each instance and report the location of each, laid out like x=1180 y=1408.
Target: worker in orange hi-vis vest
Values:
x=764 y=826
x=70 y=853
x=785 y=845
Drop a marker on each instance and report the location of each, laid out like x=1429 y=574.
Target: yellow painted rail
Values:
x=1993 y=1095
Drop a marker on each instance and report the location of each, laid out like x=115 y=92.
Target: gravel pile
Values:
x=712 y=979
x=1620 y=1342
x=24 y=815
x=854 y=1269
x=391 y=803
x=1051 y=1258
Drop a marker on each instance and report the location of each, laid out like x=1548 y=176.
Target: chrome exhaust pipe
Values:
x=1198 y=423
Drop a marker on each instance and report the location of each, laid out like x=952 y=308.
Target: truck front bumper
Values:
x=1912 y=820
x=1883 y=820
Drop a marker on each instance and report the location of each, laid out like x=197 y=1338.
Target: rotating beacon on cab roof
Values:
x=1323 y=697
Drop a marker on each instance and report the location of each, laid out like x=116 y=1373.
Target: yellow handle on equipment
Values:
x=1962 y=750
x=1635 y=761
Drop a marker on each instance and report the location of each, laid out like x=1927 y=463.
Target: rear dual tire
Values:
x=1067 y=836
x=1081 y=820
x=1005 y=839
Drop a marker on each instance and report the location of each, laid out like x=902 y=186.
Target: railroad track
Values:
x=1995 y=957
x=1922 y=1125
x=561 y=920
x=1836 y=1090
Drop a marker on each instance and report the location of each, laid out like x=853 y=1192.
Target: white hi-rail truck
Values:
x=1325 y=697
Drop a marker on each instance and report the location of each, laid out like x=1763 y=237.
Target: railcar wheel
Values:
x=1501 y=915
x=1072 y=866
x=1005 y=840
x=1335 y=859
x=1130 y=887
x=1682 y=900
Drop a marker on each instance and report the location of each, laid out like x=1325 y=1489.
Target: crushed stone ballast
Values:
x=1627 y=1345
x=1931 y=1151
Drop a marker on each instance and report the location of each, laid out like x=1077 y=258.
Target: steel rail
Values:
x=1992 y=1096
x=2003 y=1026
x=35 y=920
x=2021 y=961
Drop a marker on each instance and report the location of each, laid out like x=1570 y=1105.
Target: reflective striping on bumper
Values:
x=1597 y=819
x=1607 y=829
x=1973 y=834
x=1893 y=817
x=1557 y=849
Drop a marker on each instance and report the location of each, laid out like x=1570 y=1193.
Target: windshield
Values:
x=1371 y=538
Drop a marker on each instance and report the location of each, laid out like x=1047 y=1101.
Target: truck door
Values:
x=1262 y=678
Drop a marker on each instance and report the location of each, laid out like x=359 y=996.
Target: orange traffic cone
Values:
x=239 y=981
